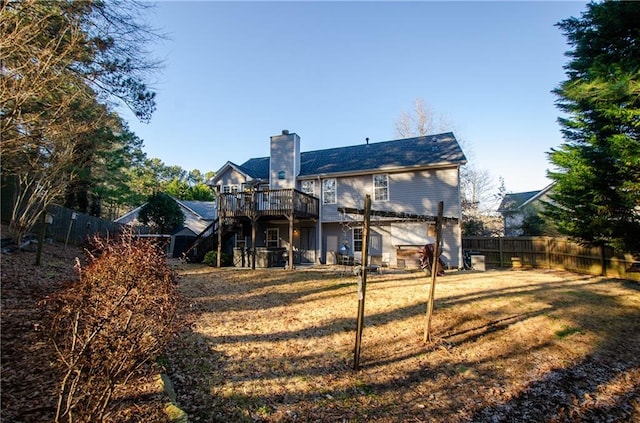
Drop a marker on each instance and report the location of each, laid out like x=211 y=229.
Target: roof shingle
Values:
x=409 y=152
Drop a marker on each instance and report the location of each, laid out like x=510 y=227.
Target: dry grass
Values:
x=29 y=380
x=271 y=345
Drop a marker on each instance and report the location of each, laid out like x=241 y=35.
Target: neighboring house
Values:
x=198 y=215
x=517 y=207
x=294 y=201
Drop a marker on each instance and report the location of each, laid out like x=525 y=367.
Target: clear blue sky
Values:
x=338 y=72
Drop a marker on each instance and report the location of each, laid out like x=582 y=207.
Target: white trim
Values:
x=335 y=191
x=353 y=238
x=313 y=186
x=373 y=182
x=233 y=188
x=228 y=165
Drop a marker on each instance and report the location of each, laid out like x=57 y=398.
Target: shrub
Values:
x=211 y=259
x=114 y=320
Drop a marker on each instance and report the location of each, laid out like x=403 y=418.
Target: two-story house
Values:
x=296 y=201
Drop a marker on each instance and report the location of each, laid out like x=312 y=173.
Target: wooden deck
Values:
x=271 y=203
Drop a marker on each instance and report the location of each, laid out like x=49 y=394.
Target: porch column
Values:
x=290 y=217
x=253 y=243
x=253 y=215
x=219 y=256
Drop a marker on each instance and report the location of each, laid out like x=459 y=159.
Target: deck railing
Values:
x=278 y=202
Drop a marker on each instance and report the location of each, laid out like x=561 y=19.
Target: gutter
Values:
x=395 y=169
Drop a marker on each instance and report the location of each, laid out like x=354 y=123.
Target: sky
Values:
x=336 y=73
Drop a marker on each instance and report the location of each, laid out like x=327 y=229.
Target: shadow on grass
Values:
x=564 y=394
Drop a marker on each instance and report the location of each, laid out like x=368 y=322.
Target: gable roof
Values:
x=197 y=214
x=515 y=201
x=248 y=172
x=430 y=150
x=205 y=210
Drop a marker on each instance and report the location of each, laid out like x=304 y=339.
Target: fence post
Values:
x=41 y=234
x=74 y=216
x=500 y=248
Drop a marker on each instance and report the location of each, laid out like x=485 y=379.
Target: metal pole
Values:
x=362 y=280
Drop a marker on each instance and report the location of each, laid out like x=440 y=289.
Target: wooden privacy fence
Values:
x=74 y=228
x=551 y=253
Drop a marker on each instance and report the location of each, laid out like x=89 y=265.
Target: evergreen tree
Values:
x=201 y=192
x=162 y=212
x=596 y=198
x=191 y=187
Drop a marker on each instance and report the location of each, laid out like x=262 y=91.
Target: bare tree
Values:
x=421 y=121
x=476 y=185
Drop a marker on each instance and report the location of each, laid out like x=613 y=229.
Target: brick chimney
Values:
x=285 y=160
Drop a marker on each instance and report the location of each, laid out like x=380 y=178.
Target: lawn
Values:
x=272 y=345
x=277 y=346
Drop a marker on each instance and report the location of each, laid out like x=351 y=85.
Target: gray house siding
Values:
x=333 y=237
x=422 y=172
x=415 y=192
x=232 y=177
x=388 y=237
x=285 y=161
x=404 y=234
x=420 y=192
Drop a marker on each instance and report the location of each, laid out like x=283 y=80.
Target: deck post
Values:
x=219 y=255
x=253 y=243
x=290 y=249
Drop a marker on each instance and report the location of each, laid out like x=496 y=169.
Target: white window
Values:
x=309 y=187
x=381 y=187
x=273 y=237
x=230 y=188
x=357 y=239
x=329 y=191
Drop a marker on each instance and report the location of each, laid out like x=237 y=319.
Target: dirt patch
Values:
x=272 y=345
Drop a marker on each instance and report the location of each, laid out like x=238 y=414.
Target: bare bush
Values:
x=114 y=320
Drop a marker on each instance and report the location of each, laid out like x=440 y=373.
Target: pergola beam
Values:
x=397 y=215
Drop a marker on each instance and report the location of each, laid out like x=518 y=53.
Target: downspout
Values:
x=319 y=250
x=460 y=263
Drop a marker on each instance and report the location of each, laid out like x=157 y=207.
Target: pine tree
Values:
x=596 y=198
x=162 y=212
